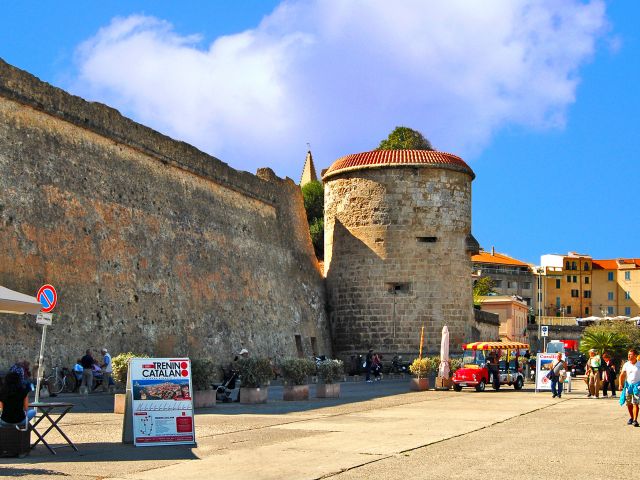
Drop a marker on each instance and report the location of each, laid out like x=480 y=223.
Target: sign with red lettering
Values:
x=162 y=401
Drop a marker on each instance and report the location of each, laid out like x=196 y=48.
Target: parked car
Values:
x=576 y=363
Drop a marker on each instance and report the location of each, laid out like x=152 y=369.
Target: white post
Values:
x=41 y=362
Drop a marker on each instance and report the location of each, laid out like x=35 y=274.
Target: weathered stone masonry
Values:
x=153 y=245
x=397 y=227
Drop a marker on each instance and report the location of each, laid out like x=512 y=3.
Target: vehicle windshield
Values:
x=473 y=357
x=555 y=347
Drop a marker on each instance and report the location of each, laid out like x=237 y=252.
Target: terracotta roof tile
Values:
x=612 y=264
x=487 y=257
x=389 y=158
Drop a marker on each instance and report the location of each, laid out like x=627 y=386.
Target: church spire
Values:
x=309 y=170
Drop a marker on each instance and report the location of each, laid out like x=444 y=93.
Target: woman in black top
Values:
x=14 y=401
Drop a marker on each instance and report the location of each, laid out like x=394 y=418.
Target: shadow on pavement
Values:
x=23 y=472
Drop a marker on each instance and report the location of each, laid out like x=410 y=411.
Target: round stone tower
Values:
x=398 y=248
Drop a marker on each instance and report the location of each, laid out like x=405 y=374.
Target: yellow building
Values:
x=565 y=285
x=616 y=287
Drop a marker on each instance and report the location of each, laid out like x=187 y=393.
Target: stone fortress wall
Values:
x=153 y=245
x=396 y=258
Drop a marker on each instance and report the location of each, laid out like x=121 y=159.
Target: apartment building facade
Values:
x=616 y=287
x=510 y=276
x=512 y=312
x=565 y=285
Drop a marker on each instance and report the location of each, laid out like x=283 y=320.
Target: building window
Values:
x=627 y=275
x=574 y=266
x=609 y=310
x=575 y=279
x=568 y=265
x=568 y=309
x=497 y=283
x=586 y=311
x=610 y=276
x=627 y=311
x=575 y=293
x=586 y=267
x=557 y=302
x=427 y=239
x=398 y=288
x=568 y=278
x=526 y=285
x=627 y=295
x=299 y=348
x=558 y=283
x=587 y=294
x=586 y=280
x=609 y=295
x=512 y=284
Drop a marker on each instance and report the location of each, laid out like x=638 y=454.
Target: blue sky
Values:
x=539 y=97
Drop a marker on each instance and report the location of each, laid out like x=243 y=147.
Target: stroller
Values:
x=224 y=390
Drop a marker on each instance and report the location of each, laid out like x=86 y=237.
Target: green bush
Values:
x=330 y=371
x=203 y=374
x=424 y=366
x=254 y=371
x=454 y=364
x=296 y=370
x=120 y=365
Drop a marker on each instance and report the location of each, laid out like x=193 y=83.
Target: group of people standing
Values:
x=601 y=372
x=87 y=367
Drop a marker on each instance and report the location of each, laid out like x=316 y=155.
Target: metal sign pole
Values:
x=41 y=362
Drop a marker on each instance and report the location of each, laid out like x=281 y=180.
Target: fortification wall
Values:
x=153 y=245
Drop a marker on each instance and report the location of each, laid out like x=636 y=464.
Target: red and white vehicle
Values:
x=476 y=373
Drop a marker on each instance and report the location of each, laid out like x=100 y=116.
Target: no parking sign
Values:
x=48 y=297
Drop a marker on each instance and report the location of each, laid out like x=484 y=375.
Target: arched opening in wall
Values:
x=299 y=348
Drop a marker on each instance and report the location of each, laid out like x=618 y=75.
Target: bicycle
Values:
x=60 y=381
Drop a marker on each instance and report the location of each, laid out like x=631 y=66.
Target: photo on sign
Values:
x=161 y=389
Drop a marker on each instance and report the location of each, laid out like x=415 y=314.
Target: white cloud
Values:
x=341 y=74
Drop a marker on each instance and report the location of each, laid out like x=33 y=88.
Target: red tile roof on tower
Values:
x=398 y=158
x=488 y=257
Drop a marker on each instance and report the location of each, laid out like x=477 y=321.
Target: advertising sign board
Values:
x=543 y=365
x=162 y=401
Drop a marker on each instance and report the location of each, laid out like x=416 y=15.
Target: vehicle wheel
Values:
x=480 y=386
x=55 y=385
x=69 y=383
x=519 y=383
x=457 y=388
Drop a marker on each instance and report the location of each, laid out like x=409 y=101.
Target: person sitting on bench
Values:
x=14 y=401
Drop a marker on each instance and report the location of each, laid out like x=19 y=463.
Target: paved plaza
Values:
x=377 y=431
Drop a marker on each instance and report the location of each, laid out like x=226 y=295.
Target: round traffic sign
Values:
x=48 y=297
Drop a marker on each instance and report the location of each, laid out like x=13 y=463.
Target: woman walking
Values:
x=609 y=376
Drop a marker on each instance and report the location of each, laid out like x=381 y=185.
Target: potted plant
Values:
x=202 y=377
x=255 y=374
x=120 y=366
x=423 y=371
x=329 y=373
x=295 y=372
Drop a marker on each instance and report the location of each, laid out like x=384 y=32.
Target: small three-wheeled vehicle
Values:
x=477 y=372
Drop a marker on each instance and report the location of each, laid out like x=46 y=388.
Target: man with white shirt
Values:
x=630 y=379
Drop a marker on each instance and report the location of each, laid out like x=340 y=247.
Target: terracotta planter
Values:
x=254 y=395
x=204 y=398
x=328 y=390
x=419 y=384
x=296 y=392
x=119 y=403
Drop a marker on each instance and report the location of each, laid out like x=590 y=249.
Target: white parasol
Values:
x=15 y=302
x=443 y=369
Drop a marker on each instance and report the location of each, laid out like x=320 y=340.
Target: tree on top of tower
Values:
x=404 y=138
